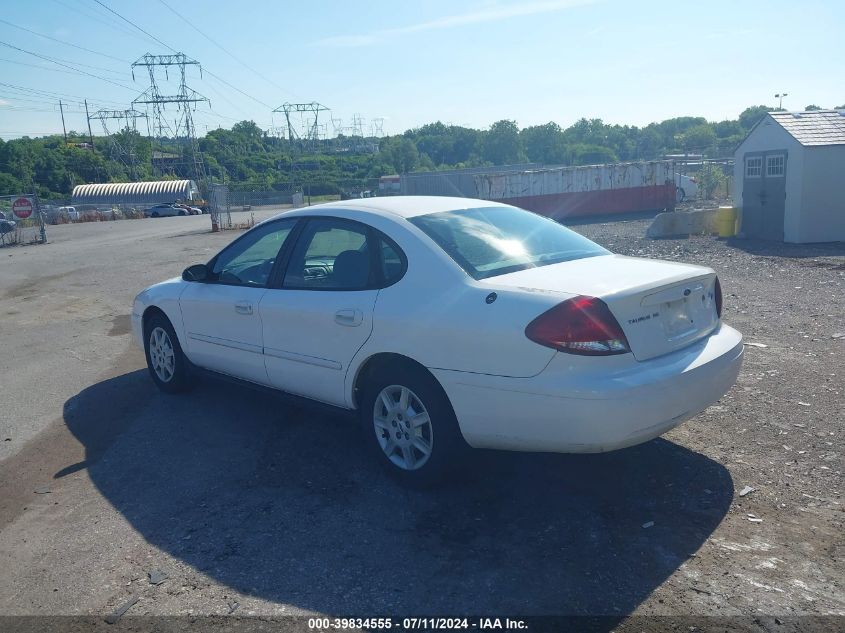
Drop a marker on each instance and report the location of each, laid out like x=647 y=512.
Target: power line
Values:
x=27 y=91
x=148 y=34
x=82 y=48
x=223 y=81
x=99 y=18
x=221 y=47
x=82 y=72
x=109 y=9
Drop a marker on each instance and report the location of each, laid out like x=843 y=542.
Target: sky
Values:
x=411 y=63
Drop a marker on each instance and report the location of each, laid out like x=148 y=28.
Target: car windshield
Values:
x=492 y=241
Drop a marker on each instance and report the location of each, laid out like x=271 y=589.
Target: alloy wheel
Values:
x=403 y=427
x=162 y=356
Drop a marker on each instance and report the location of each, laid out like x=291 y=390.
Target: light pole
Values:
x=780 y=97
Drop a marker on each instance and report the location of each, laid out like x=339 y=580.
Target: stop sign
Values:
x=22 y=208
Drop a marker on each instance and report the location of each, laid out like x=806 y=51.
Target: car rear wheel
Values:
x=409 y=426
x=154 y=214
x=165 y=360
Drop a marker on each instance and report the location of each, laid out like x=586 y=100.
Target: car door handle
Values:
x=243 y=307
x=349 y=317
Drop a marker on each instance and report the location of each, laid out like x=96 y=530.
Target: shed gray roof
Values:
x=815 y=127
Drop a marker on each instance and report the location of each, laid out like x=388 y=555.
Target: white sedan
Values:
x=447 y=322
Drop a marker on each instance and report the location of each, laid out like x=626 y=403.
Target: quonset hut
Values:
x=134 y=193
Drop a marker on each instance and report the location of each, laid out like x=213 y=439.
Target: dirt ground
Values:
x=250 y=507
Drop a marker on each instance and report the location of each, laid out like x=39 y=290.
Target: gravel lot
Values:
x=252 y=507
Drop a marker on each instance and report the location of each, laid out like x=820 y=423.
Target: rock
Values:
x=746 y=490
x=648 y=524
x=157 y=577
x=118 y=613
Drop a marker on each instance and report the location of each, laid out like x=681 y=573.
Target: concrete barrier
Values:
x=683 y=224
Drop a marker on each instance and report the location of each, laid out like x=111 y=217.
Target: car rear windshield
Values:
x=494 y=241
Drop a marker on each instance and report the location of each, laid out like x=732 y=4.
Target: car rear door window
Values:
x=331 y=254
x=392 y=262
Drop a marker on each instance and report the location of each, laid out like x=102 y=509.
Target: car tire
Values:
x=166 y=362
x=183 y=212
x=154 y=214
x=418 y=456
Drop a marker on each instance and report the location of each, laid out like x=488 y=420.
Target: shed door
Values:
x=764 y=194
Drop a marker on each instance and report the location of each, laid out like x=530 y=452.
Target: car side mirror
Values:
x=197 y=272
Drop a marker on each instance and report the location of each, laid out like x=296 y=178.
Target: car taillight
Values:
x=581 y=325
x=718 y=291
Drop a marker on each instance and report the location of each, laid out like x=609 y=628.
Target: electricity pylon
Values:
x=185 y=99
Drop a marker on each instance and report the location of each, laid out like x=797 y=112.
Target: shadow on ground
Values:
x=767 y=248
x=282 y=504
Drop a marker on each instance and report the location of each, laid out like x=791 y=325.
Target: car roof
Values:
x=402 y=206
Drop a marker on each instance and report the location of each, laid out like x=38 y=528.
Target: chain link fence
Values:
x=21 y=220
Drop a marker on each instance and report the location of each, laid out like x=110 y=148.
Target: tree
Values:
x=501 y=143
x=9 y=185
x=812 y=107
x=749 y=117
x=698 y=138
x=403 y=154
x=544 y=144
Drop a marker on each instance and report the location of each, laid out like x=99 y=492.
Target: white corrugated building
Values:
x=116 y=193
x=789 y=177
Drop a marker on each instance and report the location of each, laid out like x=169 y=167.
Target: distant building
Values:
x=788 y=177
x=388 y=185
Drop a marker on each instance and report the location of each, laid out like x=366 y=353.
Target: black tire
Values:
x=179 y=377
x=447 y=445
x=183 y=212
x=154 y=214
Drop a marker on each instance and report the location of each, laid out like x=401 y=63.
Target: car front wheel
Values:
x=410 y=427
x=165 y=360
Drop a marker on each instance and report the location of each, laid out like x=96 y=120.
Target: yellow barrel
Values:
x=726 y=221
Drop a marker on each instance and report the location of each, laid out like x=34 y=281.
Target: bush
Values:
x=710 y=179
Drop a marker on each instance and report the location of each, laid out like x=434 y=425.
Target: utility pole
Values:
x=64 y=129
x=90 y=135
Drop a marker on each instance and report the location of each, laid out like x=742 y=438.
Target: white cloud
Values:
x=488 y=13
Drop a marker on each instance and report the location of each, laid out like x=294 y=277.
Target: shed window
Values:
x=753 y=166
x=775 y=165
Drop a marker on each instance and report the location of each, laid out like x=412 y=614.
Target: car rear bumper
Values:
x=594 y=404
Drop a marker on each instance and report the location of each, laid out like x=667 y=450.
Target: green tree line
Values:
x=246 y=157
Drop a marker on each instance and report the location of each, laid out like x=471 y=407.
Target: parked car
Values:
x=446 y=322
x=191 y=210
x=70 y=213
x=164 y=210
x=686 y=187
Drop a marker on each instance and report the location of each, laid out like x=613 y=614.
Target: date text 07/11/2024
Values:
x=410 y=624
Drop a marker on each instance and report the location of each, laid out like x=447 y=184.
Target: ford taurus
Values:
x=446 y=323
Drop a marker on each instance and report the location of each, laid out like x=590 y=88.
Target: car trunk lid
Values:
x=661 y=306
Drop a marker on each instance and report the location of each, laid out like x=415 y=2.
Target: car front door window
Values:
x=249 y=261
